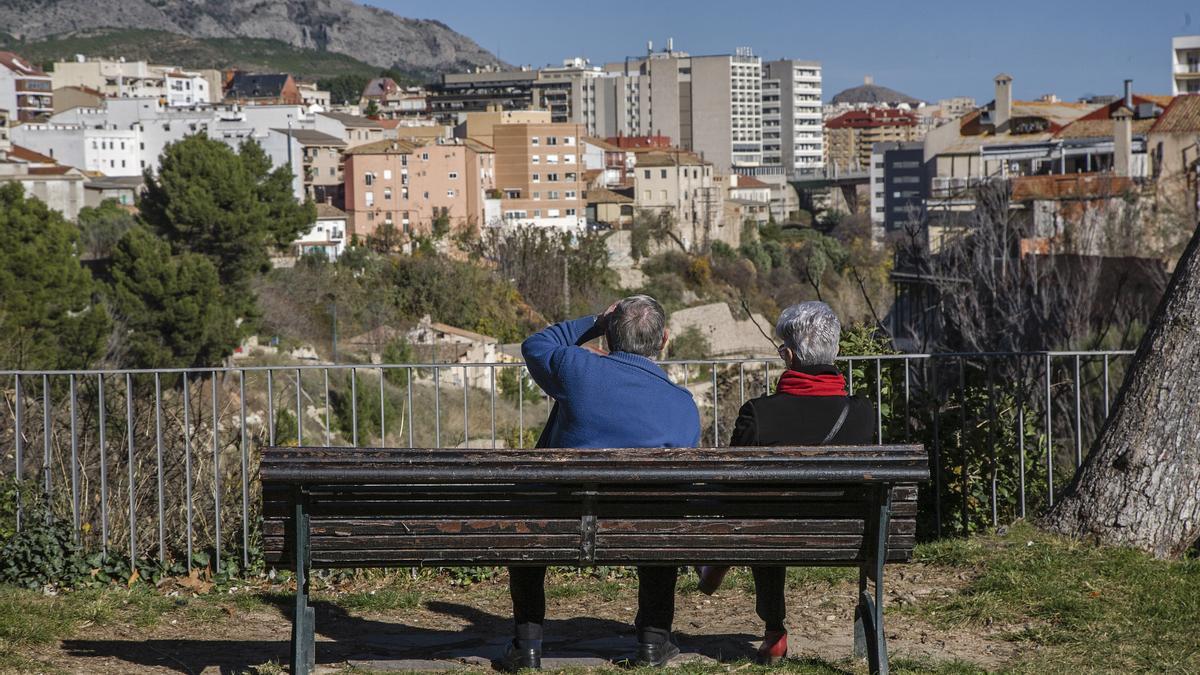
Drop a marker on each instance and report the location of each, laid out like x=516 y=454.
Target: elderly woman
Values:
x=810 y=406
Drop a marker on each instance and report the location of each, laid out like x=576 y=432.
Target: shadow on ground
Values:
x=576 y=641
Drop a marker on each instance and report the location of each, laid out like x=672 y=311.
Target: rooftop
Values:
x=1181 y=117
x=872 y=93
x=257 y=85
x=353 y=121
x=329 y=211
x=388 y=146
x=313 y=137
x=20 y=66
x=673 y=158
x=871 y=118
x=605 y=196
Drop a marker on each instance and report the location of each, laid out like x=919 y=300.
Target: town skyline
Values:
x=921 y=60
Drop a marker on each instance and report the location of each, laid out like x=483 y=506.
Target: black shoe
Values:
x=655 y=654
x=522 y=654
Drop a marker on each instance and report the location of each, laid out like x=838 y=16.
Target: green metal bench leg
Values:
x=304 y=652
x=869 y=638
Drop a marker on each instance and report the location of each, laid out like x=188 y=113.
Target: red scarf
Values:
x=796 y=383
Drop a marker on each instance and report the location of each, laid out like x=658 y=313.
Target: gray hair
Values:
x=812 y=331
x=636 y=326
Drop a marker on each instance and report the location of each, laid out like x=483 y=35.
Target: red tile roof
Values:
x=1181 y=117
x=20 y=66
x=23 y=153
x=873 y=117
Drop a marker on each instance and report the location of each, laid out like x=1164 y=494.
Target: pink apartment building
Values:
x=408 y=185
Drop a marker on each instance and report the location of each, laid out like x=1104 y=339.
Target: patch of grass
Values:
x=567 y=587
x=1094 y=608
x=382 y=599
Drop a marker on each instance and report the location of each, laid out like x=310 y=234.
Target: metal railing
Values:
x=161 y=463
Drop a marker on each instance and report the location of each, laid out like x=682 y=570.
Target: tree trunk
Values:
x=1140 y=485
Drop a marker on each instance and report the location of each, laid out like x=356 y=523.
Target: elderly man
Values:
x=810 y=406
x=619 y=400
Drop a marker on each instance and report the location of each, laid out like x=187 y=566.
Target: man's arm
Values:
x=547 y=351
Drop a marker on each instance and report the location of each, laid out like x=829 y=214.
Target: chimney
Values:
x=1129 y=94
x=1122 y=141
x=649 y=46
x=670 y=44
x=1003 y=112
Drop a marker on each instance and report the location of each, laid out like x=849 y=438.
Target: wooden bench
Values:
x=833 y=505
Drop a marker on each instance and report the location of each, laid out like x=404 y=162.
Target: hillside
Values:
x=253 y=55
x=368 y=34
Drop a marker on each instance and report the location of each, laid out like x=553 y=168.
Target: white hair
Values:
x=812 y=331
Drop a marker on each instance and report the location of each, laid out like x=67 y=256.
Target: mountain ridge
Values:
x=369 y=34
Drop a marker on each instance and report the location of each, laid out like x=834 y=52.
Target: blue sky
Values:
x=926 y=48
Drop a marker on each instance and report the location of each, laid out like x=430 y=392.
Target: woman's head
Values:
x=810 y=332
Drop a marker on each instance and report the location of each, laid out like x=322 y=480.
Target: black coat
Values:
x=784 y=419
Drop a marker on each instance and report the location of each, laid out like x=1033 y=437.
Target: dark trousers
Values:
x=656 y=602
x=769 y=583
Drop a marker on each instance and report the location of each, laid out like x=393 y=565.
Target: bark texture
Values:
x=1140 y=485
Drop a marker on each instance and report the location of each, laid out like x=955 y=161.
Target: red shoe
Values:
x=711 y=577
x=774 y=648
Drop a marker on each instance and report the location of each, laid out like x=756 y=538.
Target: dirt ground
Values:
x=455 y=627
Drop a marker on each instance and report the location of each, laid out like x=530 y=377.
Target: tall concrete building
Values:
x=711 y=105
x=793 y=138
x=1185 y=65
x=26 y=92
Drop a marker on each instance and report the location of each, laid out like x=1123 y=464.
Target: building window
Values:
x=662 y=173
x=551 y=140
x=537 y=196
x=404 y=192
x=369 y=179
x=387 y=194
x=662 y=195
x=536 y=178
x=424 y=156
x=552 y=159
x=453 y=175
x=570 y=194
x=369 y=196
x=552 y=178
x=570 y=212
x=533 y=141
x=553 y=194
x=332 y=171
x=568 y=140
x=535 y=159
x=646 y=174
x=387 y=174
x=551 y=213
x=568 y=159
x=450 y=194
x=645 y=195
x=537 y=213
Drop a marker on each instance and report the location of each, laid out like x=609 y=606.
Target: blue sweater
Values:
x=617 y=401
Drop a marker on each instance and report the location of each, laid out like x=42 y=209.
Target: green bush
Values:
x=44 y=552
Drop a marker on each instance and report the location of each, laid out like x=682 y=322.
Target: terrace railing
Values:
x=162 y=464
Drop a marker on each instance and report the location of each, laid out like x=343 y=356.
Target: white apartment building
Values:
x=126 y=136
x=1185 y=65
x=791 y=115
x=138 y=79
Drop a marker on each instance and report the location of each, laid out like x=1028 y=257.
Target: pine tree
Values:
x=230 y=207
x=48 y=318
x=171 y=310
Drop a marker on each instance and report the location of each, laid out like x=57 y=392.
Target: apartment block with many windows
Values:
x=409 y=186
x=539 y=174
x=793 y=137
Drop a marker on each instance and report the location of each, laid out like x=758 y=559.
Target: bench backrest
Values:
x=410 y=507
